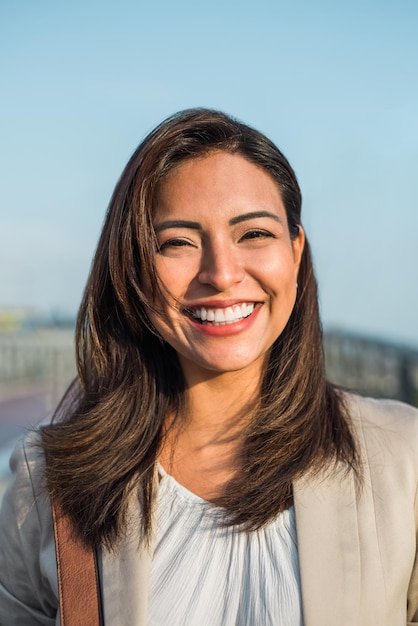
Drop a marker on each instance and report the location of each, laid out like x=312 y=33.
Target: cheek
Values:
x=163 y=270
x=278 y=273
x=175 y=274
x=289 y=267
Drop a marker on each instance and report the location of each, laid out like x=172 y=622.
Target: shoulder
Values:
x=28 y=459
x=26 y=499
x=28 y=580
x=391 y=414
x=387 y=429
x=381 y=412
x=27 y=464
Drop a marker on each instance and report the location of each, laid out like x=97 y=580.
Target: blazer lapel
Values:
x=328 y=547
x=329 y=550
x=327 y=525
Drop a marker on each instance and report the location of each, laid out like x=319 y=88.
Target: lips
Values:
x=222 y=315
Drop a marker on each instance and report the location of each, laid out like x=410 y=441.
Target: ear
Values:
x=298 y=245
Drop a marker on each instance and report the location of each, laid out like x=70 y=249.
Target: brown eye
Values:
x=257 y=234
x=174 y=243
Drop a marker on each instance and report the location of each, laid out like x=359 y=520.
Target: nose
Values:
x=221 y=266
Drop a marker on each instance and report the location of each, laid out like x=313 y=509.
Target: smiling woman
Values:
x=201 y=452
x=227 y=263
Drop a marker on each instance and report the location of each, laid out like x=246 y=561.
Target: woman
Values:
x=201 y=452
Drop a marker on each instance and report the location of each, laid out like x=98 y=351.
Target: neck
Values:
x=215 y=401
x=202 y=450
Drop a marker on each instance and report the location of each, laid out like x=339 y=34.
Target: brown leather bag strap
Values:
x=78 y=584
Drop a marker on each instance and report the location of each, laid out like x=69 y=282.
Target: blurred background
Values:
x=333 y=84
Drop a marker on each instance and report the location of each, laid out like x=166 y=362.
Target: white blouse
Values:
x=204 y=574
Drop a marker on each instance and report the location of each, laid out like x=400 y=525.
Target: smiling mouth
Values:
x=221 y=316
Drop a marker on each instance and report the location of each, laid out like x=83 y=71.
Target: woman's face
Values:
x=226 y=262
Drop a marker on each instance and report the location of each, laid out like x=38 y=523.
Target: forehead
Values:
x=218 y=179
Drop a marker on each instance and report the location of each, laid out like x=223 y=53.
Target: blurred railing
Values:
x=43 y=358
x=369 y=366
x=372 y=367
x=35 y=369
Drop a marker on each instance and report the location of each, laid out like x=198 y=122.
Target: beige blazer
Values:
x=356 y=544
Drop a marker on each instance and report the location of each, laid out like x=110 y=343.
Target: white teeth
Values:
x=228 y=315
x=237 y=309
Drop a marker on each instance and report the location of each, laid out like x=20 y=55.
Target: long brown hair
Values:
x=107 y=431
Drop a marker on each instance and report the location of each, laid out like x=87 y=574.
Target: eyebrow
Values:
x=253 y=215
x=234 y=220
x=177 y=224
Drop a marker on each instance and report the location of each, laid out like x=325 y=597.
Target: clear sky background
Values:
x=334 y=84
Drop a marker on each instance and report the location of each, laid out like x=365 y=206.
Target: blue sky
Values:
x=333 y=84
